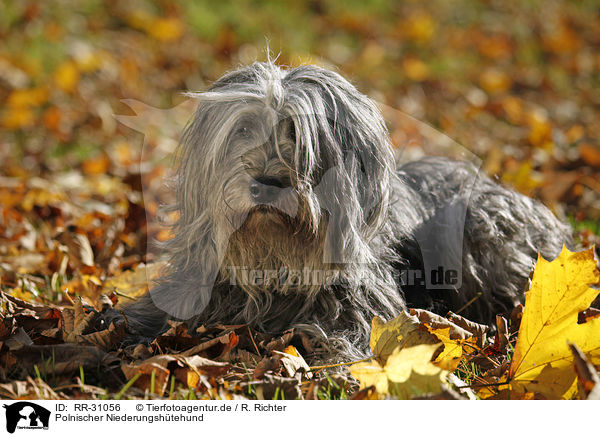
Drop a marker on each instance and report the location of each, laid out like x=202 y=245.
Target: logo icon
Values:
x=26 y=415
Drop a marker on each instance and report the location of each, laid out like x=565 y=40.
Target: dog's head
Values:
x=280 y=169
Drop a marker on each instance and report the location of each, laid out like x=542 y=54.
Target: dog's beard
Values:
x=275 y=252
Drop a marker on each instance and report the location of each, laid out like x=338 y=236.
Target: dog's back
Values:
x=489 y=234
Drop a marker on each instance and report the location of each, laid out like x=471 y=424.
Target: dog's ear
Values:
x=360 y=132
x=344 y=148
x=336 y=195
x=346 y=131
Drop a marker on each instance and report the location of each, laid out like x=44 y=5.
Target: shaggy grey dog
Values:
x=292 y=213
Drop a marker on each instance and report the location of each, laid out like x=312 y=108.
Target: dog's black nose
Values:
x=265 y=190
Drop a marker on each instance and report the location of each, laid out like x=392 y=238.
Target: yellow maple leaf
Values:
x=403 y=362
x=454 y=349
x=408 y=372
x=370 y=373
x=402 y=365
x=542 y=362
x=457 y=341
x=402 y=331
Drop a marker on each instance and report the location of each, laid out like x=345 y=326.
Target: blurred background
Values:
x=516 y=82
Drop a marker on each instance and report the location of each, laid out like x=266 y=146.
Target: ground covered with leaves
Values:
x=516 y=84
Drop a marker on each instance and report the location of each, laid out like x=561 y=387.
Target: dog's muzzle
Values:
x=266 y=190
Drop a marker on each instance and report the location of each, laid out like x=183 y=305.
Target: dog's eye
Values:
x=242 y=132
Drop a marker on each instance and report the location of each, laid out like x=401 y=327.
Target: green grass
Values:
x=468 y=372
x=586 y=224
x=332 y=390
x=125 y=388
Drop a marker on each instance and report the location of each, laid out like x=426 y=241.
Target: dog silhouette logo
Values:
x=26 y=415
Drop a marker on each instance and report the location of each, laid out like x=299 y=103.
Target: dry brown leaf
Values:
x=266 y=365
x=64 y=358
x=29 y=389
x=586 y=373
x=104 y=339
x=293 y=362
x=457 y=341
x=590 y=154
x=81 y=322
x=273 y=387
x=145 y=370
x=134 y=283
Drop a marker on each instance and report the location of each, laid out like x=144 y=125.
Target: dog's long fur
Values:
x=321 y=153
